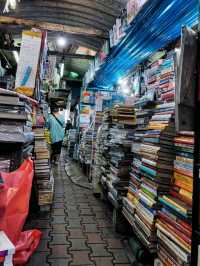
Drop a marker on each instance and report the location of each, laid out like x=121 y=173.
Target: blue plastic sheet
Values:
x=158 y=23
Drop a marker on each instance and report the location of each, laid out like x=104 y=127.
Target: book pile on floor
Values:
x=43 y=173
x=131 y=201
x=72 y=138
x=95 y=152
x=85 y=147
x=156 y=168
x=174 y=228
x=120 y=141
x=103 y=157
x=15 y=129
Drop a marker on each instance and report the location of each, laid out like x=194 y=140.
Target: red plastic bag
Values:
x=14 y=206
x=26 y=246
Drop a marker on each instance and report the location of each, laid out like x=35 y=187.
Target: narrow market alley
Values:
x=78 y=231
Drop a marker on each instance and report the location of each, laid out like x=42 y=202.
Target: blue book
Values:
x=148 y=170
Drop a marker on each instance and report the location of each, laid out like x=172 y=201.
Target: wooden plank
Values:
x=52 y=26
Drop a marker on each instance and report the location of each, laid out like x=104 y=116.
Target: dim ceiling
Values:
x=84 y=14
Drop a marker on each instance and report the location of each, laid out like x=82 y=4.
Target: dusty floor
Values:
x=78 y=231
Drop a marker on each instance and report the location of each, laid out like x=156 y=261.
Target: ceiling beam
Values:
x=57 y=53
x=70 y=55
x=52 y=26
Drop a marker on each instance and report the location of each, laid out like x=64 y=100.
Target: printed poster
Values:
x=28 y=62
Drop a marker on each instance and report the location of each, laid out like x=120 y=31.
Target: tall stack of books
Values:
x=120 y=161
x=43 y=174
x=72 y=138
x=95 y=146
x=103 y=157
x=121 y=135
x=85 y=148
x=156 y=170
x=131 y=201
x=174 y=229
x=15 y=129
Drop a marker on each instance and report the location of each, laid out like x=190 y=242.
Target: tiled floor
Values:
x=78 y=231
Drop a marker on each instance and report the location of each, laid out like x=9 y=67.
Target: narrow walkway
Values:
x=78 y=231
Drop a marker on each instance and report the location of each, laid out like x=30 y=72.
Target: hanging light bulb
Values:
x=61 y=41
x=10 y=4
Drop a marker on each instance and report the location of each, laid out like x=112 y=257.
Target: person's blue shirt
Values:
x=57 y=129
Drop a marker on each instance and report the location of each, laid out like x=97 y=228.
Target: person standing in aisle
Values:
x=57 y=130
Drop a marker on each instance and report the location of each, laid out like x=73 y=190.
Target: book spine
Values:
x=176 y=223
x=177 y=233
x=183 y=185
x=172 y=202
x=173 y=207
x=175 y=239
x=172 y=246
x=181 y=197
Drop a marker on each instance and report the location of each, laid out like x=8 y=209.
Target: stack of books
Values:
x=95 y=151
x=150 y=85
x=16 y=134
x=166 y=89
x=120 y=161
x=121 y=135
x=43 y=173
x=131 y=201
x=85 y=147
x=124 y=115
x=4 y=164
x=72 y=138
x=103 y=157
x=15 y=119
x=157 y=156
x=174 y=224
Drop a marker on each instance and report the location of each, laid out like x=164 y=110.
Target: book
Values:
x=178 y=240
x=175 y=223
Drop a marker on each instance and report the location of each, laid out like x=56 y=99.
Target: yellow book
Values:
x=183 y=185
x=183 y=178
x=185 y=193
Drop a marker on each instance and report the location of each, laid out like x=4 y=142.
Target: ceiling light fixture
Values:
x=61 y=41
x=10 y=4
x=126 y=90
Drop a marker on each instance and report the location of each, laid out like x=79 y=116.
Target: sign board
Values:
x=28 y=62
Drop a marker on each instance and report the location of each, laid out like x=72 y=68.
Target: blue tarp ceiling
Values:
x=158 y=23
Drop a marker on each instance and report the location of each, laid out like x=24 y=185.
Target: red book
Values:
x=182 y=238
x=176 y=224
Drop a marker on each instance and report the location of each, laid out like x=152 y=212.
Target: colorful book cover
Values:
x=183 y=185
x=175 y=223
x=186 y=247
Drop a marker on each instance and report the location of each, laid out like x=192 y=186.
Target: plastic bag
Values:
x=26 y=246
x=14 y=206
